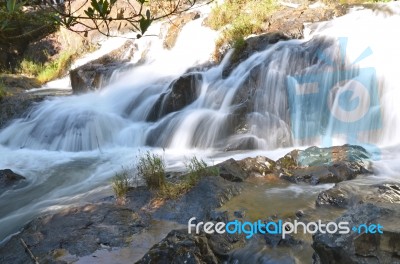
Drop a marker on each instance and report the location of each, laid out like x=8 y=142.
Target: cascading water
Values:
x=280 y=97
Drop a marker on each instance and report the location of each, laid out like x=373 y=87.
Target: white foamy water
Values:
x=69 y=147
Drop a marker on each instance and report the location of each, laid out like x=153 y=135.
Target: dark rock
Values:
x=347 y=195
x=210 y=193
x=182 y=92
x=18 y=106
x=239 y=214
x=176 y=26
x=252 y=45
x=299 y=213
x=219 y=216
x=9 y=179
x=232 y=170
x=275 y=240
x=95 y=74
x=324 y=165
x=80 y=231
x=363 y=247
x=181 y=247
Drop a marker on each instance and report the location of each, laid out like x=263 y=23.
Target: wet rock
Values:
x=258 y=166
x=273 y=240
x=232 y=170
x=182 y=92
x=287 y=23
x=346 y=195
x=324 y=165
x=239 y=214
x=80 y=231
x=9 y=179
x=210 y=193
x=181 y=247
x=95 y=74
x=176 y=26
x=362 y=247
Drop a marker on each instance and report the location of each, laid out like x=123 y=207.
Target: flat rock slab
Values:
x=346 y=195
x=362 y=247
x=78 y=231
x=210 y=193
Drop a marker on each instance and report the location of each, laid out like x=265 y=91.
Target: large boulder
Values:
x=362 y=247
x=76 y=232
x=181 y=93
x=95 y=74
x=324 y=165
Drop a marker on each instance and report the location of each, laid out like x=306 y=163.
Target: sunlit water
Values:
x=68 y=148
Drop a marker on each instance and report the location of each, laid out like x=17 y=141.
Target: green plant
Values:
x=198 y=168
x=239 y=18
x=49 y=71
x=151 y=168
x=120 y=185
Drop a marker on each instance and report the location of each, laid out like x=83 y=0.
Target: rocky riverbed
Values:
x=102 y=228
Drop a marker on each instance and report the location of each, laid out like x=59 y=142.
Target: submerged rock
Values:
x=9 y=179
x=324 y=165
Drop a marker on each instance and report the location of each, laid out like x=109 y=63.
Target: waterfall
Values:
x=337 y=85
x=290 y=94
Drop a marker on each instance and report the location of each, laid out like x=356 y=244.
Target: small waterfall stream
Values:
x=337 y=85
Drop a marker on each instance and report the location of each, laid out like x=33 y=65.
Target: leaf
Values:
x=11 y=5
x=144 y=24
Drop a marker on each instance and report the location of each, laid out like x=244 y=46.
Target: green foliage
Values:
x=197 y=169
x=238 y=19
x=151 y=168
x=120 y=185
x=49 y=71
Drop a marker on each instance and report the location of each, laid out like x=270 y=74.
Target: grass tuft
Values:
x=120 y=186
x=151 y=168
x=238 y=19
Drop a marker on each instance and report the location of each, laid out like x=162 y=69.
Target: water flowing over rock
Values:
x=8 y=179
x=96 y=74
x=181 y=93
